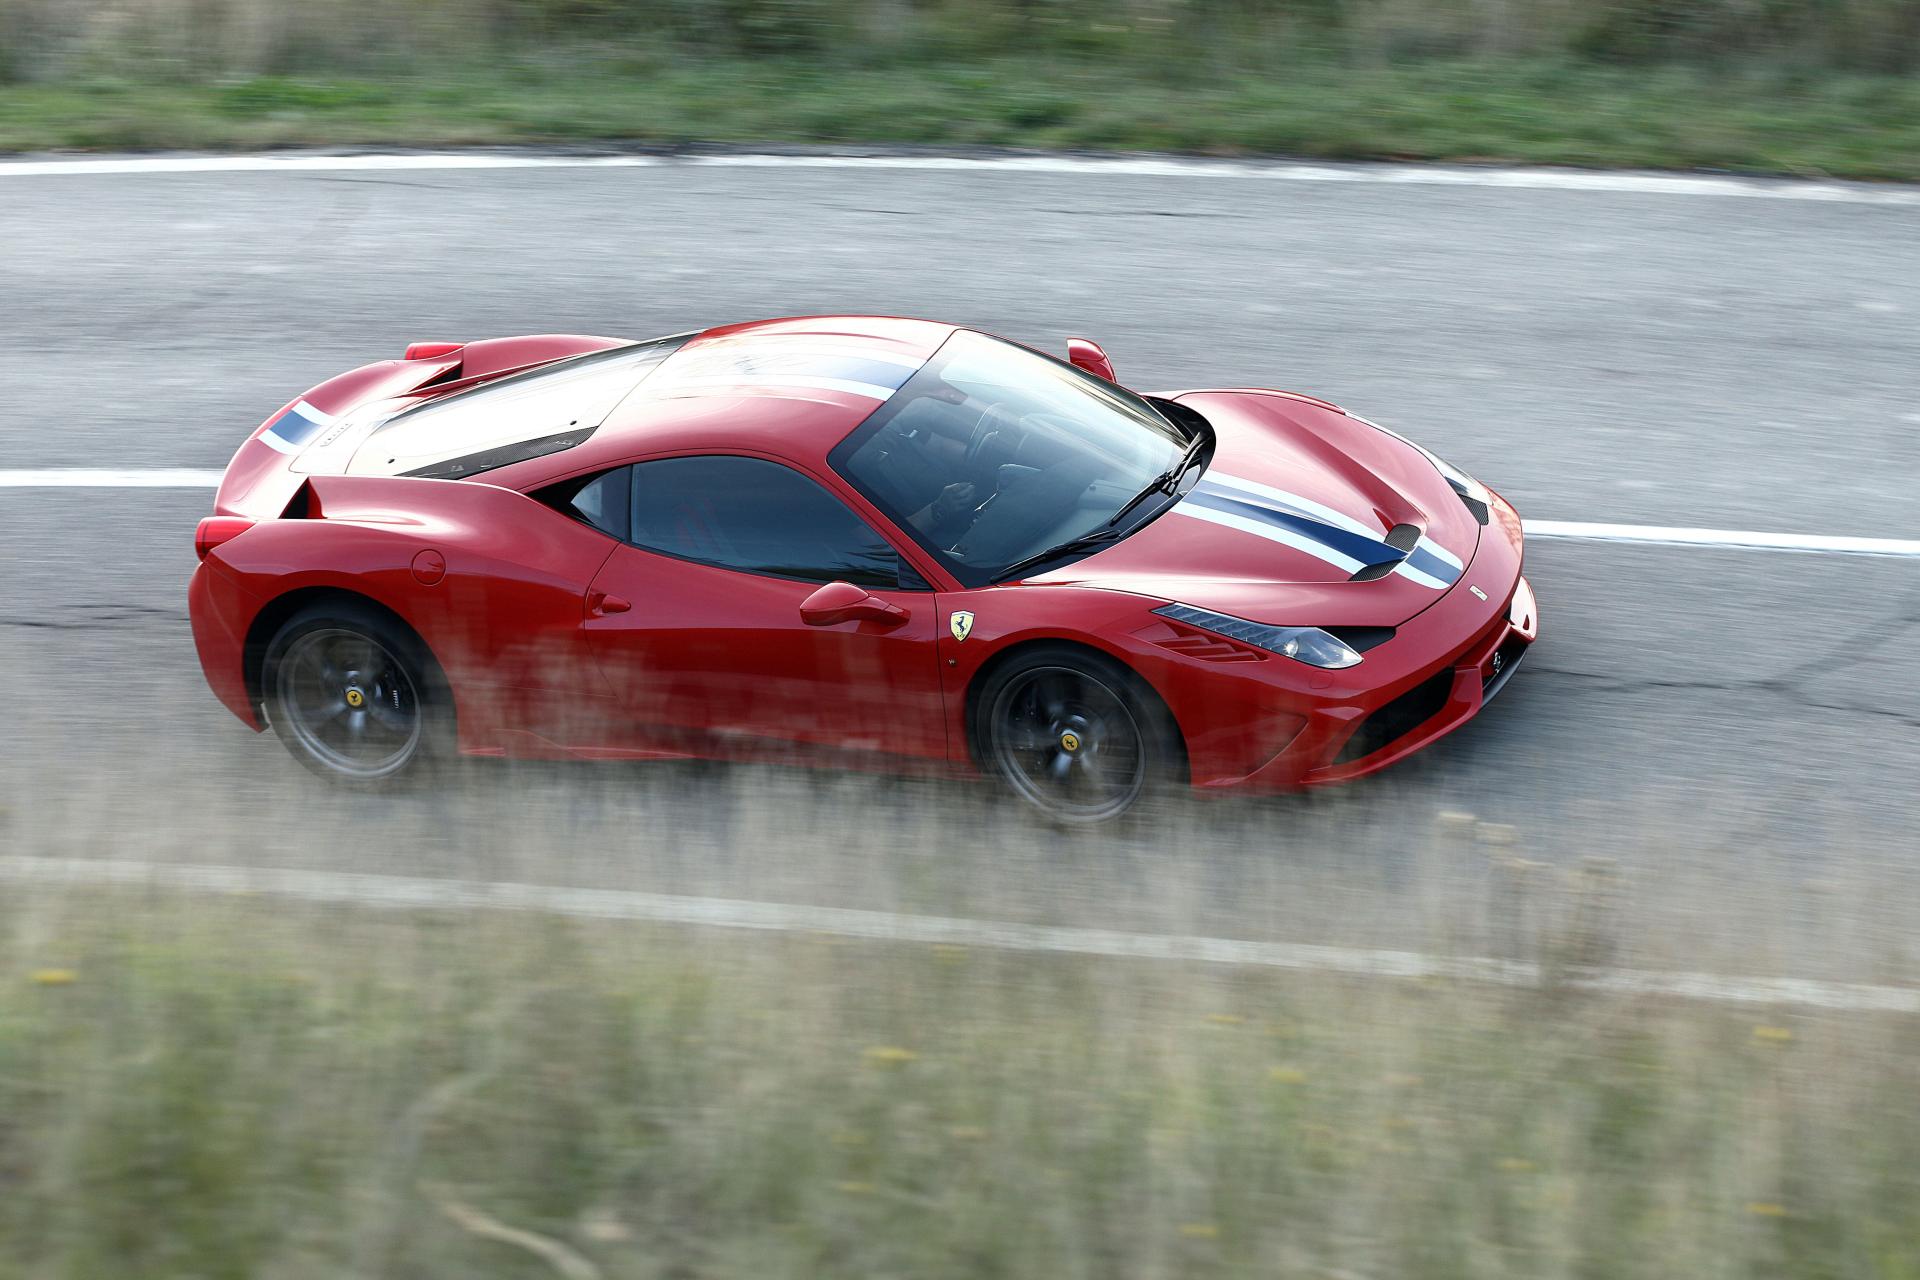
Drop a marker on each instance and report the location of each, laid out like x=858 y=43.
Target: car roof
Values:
x=789 y=388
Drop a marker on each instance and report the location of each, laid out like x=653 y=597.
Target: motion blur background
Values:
x=1805 y=86
x=1619 y=980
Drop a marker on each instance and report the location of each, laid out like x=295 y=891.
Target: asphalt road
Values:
x=1709 y=717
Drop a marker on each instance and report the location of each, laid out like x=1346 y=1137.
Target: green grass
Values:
x=1533 y=112
x=241 y=1088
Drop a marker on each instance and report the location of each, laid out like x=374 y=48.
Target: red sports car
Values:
x=861 y=541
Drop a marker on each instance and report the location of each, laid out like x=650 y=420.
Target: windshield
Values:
x=992 y=453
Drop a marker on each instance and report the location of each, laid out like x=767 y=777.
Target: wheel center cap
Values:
x=1069 y=742
x=355 y=698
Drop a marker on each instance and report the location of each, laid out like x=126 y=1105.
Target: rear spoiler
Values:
x=455 y=365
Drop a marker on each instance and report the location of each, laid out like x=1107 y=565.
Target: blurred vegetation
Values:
x=1777 y=86
x=1175 y=40
x=1547 y=113
x=232 y=1088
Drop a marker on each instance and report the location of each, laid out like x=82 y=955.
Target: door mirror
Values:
x=1085 y=353
x=839 y=602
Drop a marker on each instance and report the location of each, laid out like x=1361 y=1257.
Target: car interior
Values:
x=986 y=483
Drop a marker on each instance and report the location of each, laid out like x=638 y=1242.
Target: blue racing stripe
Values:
x=1356 y=546
x=1433 y=566
x=295 y=428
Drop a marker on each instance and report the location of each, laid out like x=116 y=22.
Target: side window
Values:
x=758 y=516
x=600 y=501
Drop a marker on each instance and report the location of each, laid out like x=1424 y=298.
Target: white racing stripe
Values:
x=761 y=348
x=792 y=381
x=1557 y=530
x=1658 y=184
x=416 y=893
x=1426 y=580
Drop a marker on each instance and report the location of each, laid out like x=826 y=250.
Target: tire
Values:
x=354 y=696
x=1074 y=734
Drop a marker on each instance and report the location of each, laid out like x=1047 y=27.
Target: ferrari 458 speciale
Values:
x=857 y=541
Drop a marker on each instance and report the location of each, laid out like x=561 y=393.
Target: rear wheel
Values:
x=1072 y=734
x=353 y=695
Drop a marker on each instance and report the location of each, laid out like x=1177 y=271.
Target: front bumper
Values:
x=1436 y=674
x=1336 y=748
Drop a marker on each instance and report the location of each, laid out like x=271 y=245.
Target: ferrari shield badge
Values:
x=961 y=624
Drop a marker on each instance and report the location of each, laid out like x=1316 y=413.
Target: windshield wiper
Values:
x=1166 y=482
x=1085 y=542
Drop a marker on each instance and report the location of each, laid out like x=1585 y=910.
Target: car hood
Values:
x=1296 y=500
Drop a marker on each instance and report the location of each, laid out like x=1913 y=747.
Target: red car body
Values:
x=558 y=640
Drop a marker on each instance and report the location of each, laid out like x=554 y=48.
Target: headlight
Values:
x=1303 y=644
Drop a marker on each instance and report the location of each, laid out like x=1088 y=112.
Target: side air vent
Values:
x=1401 y=538
x=1476 y=506
x=1210 y=648
x=450 y=374
x=1374 y=572
x=301 y=506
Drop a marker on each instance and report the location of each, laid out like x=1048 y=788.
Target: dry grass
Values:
x=244 y=1087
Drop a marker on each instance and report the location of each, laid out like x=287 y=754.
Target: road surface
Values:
x=1713 y=718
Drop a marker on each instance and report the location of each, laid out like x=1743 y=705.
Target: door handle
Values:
x=600 y=604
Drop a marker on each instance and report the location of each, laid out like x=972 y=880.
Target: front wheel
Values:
x=1073 y=734
x=352 y=694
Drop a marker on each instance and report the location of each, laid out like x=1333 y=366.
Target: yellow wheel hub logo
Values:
x=1069 y=741
x=356 y=699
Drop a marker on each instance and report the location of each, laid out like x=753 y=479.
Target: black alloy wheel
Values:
x=1069 y=734
x=351 y=694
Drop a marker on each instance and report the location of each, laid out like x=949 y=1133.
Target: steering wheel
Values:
x=992 y=419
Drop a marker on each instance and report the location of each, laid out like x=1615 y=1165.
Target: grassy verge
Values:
x=1859 y=126
x=239 y=1088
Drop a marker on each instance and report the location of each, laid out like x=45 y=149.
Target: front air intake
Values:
x=1399 y=718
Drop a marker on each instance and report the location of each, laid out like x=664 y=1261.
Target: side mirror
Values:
x=839 y=602
x=1085 y=353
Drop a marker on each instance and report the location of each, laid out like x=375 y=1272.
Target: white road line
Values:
x=413 y=893
x=1568 y=530
x=1723 y=539
x=308 y=163
x=96 y=478
x=1097 y=166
